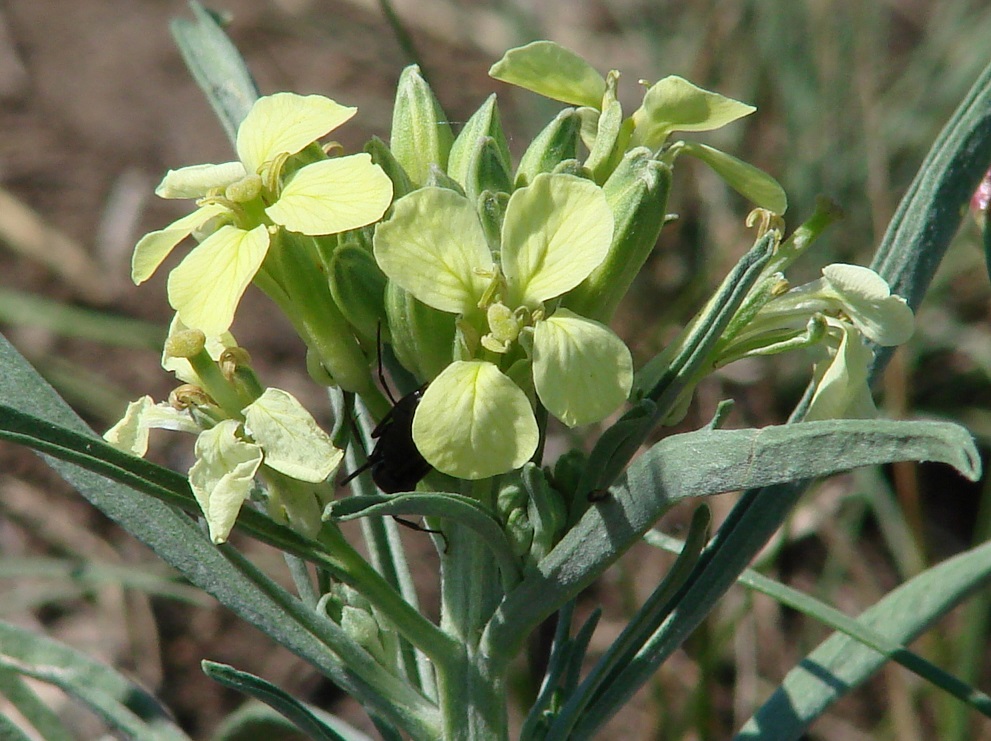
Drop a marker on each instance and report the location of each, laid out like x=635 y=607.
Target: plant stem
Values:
x=470 y=691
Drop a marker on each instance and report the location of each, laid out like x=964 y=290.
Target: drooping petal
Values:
x=866 y=298
x=842 y=391
x=556 y=232
x=223 y=475
x=292 y=440
x=155 y=246
x=131 y=432
x=284 y=123
x=433 y=246
x=582 y=371
x=675 y=104
x=197 y=181
x=208 y=284
x=473 y=422
x=333 y=196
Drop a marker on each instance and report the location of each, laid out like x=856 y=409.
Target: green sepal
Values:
x=484 y=123
x=437 y=178
x=384 y=158
x=637 y=193
x=488 y=171
x=491 y=212
x=751 y=182
x=422 y=337
x=570 y=167
x=557 y=142
x=421 y=135
x=358 y=287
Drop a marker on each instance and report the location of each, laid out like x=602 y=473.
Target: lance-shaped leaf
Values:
x=841 y=663
x=700 y=464
x=122 y=704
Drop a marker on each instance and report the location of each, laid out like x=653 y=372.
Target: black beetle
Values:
x=395 y=462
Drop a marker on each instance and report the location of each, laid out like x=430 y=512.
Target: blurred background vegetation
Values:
x=95 y=105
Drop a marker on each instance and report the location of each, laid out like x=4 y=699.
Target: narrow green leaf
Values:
x=841 y=663
x=929 y=215
x=217 y=67
x=42 y=718
x=300 y=715
x=123 y=705
x=463 y=510
x=638 y=630
x=703 y=463
x=91 y=574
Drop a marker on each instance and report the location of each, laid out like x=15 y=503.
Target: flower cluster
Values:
x=474 y=421
x=493 y=287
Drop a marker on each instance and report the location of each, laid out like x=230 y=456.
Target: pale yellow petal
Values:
x=556 y=232
x=433 y=246
x=473 y=422
x=333 y=196
x=197 y=181
x=207 y=286
x=284 y=123
x=155 y=246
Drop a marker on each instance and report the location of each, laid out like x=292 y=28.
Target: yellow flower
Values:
x=240 y=203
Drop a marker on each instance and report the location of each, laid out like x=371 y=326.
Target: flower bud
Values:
x=422 y=337
x=465 y=152
x=556 y=143
x=421 y=135
x=384 y=158
x=637 y=193
x=511 y=505
x=487 y=170
x=358 y=287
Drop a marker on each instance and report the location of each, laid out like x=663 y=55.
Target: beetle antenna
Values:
x=385 y=386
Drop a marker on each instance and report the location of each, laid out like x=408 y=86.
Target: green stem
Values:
x=470 y=691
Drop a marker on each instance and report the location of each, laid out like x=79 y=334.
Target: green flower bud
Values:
x=358 y=287
x=556 y=143
x=567 y=475
x=437 y=178
x=487 y=171
x=491 y=211
x=484 y=123
x=384 y=158
x=511 y=505
x=637 y=193
x=422 y=337
x=421 y=134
